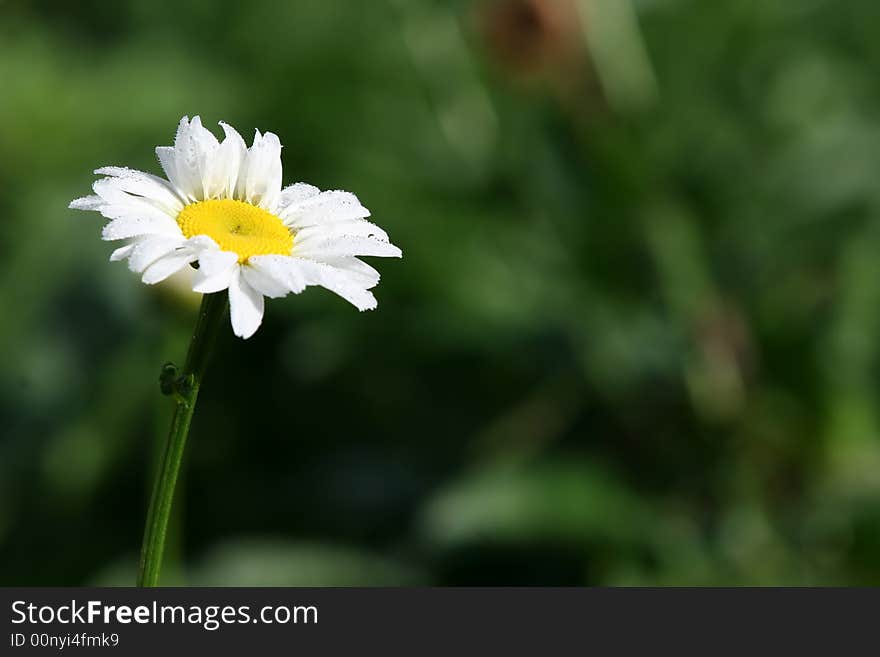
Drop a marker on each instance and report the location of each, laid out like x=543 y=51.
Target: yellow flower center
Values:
x=237 y=226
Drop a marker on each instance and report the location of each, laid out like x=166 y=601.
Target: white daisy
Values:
x=223 y=207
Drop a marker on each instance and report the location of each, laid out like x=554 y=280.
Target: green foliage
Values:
x=633 y=339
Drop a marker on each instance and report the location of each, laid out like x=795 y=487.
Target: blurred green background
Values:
x=633 y=339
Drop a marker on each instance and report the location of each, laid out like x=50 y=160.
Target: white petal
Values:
x=230 y=159
x=215 y=262
x=263 y=175
x=136 y=209
x=196 y=148
x=358 y=270
x=351 y=228
x=215 y=271
x=205 y=146
x=280 y=268
x=265 y=280
x=167 y=265
x=326 y=207
x=295 y=194
x=119 y=204
x=219 y=165
x=241 y=184
x=245 y=307
x=149 y=250
x=145 y=185
x=216 y=283
x=338 y=281
x=122 y=252
x=347 y=246
x=184 y=253
x=135 y=226
x=186 y=164
x=92 y=202
x=201 y=244
x=168 y=161
x=116 y=191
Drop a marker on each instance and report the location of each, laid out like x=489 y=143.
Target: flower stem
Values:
x=211 y=314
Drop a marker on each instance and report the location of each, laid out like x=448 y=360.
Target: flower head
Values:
x=223 y=206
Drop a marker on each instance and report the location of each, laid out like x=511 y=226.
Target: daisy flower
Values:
x=222 y=206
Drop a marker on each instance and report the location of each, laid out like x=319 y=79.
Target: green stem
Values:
x=211 y=314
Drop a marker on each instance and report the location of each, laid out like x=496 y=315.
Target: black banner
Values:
x=419 y=621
